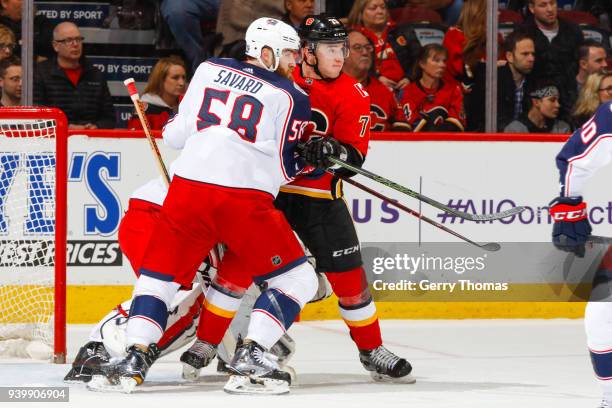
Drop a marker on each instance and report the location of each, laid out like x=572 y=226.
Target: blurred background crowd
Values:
x=422 y=61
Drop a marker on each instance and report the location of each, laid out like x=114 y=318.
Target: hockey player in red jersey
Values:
x=313 y=203
x=430 y=103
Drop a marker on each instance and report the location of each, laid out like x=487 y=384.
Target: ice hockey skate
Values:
x=199 y=355
x=384 y=366
x=125 y=375
x=87 y=362
x=255 y=373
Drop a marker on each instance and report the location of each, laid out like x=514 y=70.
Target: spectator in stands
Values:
x=10 y=81
x=7 y=42
x=592 y=58
x=10 y=16
x=448 y=9
x=161 y=95
x=70 y=83
x=385 y=112
x=543 y=112
x=184 y=17
x=514 y=78
x=596 y=90
x=236 y=15
x=466 y=44
x=429 y=103
x=396 y=47
x=296 y=10
x=556 y=41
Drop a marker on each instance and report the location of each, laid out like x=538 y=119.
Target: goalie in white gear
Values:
x=107 y=339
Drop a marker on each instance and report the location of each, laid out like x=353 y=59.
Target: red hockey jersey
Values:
x=340 y=108
x=384 y=108
x=418 y=99
x=385 y=59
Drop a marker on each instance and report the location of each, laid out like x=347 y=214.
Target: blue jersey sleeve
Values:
x=298 y=119
x=586 y=151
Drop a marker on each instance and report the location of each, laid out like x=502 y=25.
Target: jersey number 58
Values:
x=244 y=116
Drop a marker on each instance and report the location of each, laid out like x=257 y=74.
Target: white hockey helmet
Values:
x=271 y=33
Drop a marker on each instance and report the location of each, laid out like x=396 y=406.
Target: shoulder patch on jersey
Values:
x=361 y=90
x=299 y=89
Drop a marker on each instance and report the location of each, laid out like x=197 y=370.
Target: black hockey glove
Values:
x=316 y=151
x=571 y=227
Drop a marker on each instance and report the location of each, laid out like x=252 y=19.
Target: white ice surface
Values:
x=463 y=363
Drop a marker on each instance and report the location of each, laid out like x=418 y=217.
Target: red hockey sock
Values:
x=219 y=309
x=357 y=307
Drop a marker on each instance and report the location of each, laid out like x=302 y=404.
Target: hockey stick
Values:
x=430 y=201
x=491 y=246
x=131 y=86
x=596 y=239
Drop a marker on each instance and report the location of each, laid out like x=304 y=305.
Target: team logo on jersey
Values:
x=276 y=260
x=378 y=124
x=320 y=121
x=309 y=21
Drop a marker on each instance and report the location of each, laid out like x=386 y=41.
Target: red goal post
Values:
x=29 y=137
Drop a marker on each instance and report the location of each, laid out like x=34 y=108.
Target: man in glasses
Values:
x=70 y=83
x=385 y=112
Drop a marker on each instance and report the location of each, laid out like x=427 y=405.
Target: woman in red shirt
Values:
x=431 y=104
x=395 y=48
x=161 y=98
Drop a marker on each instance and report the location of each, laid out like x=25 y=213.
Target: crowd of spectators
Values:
x=550 y=78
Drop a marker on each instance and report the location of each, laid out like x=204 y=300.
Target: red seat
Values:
x=509 y=16
x=415 y=15
x=579 y=17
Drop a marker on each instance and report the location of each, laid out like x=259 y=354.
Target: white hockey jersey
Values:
x=238 y=126
x=586 y=151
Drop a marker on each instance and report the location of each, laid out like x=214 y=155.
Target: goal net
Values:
x=33 y=232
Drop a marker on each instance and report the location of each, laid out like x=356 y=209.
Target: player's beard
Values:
x=286 y=72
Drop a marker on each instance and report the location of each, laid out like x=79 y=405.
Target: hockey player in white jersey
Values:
x=238 y=126
x=586 y=151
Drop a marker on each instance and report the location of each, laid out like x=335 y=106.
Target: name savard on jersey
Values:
x=31 y=253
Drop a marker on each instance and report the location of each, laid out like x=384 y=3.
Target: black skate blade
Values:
x=383 y=378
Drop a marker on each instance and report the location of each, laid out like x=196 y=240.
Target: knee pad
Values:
x=147 y=286
x=299 y=283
